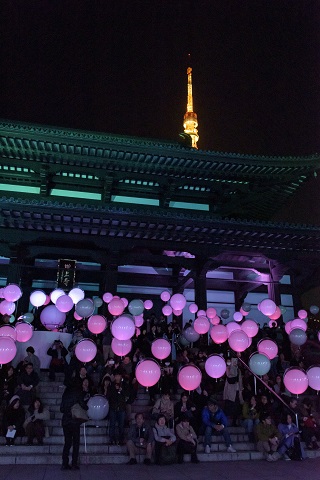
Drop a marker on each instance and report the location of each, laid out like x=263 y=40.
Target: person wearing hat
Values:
x=13 y=419
x=214 y=422
x=58 y=353
x=187 y=439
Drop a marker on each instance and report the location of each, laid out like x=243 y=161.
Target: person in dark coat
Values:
x=27 y=382
x=13 y=420
x=71 y=426
x=58 y=363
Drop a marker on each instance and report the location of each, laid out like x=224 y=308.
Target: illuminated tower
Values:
x=190 y=119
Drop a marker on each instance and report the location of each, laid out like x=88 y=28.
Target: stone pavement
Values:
x=246 y=470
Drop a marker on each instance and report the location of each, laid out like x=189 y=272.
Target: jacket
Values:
x=210 y=419
x=70 y=397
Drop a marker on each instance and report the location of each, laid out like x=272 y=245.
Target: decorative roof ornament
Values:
x=190 y=119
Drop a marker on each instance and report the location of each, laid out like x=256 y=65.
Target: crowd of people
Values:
x=167 y=429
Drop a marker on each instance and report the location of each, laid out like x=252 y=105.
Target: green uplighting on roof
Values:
x=19 y=188
x=190 y=206
x=75 y=194
x=135 y=200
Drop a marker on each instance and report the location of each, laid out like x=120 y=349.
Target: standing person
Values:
x=232 y=392
x=71 y=426
x=215 y=422
x=140 y=440
x=118 y=395
x=58 y=363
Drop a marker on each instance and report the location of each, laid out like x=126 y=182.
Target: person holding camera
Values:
x=58 y=362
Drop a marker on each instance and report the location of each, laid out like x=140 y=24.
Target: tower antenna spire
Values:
x=190 y=119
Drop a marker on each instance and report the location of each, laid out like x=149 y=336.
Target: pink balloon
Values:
x=165 y=296
x=167 y=310
x=121 y=347
x=313 y=374
x=8 y=350
x=237 y=316
x=8 y=331
x=148 y=304
x=189 y=377
x=202 y=313
x=177 y=313
x=215 y=366
x=116 y=306
x=107 y=297
x=124 y=301
x=298 y=323
x=277 y=314
x=38 y=298
x=12 y=292
x=211 y=312
x=295 y=380
x=85 y=350
x=76 y=316
x=193 y=308
x=232 y=326
x=161 y=348
x=201 y=325
x=55 y=294
x=148 y=372
x=138 y=320
x=138 y=332
x=96 y=324
x=268 y=347
x=64 y=303
x=219 y=334
x=47 y=300
x=51 y=317
x=24 y=332
x=301 y=314
x=268 y=307
x=76 y=294
x=7 y=307
x=123 y=328
x=178 y=301
x=250 y=327
x=243 y=312
x=287 y=327
x=215 y=320
x=239 y=341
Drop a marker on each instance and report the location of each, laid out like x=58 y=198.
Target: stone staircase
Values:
x=94 y=448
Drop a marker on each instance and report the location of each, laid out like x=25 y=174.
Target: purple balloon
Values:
x=52 y=318
x=215 y=366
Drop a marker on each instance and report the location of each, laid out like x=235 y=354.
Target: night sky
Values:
x=120 y=67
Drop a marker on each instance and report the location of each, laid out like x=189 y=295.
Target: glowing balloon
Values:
x=193 y=308
x=64 y=303
x=27 y=317
x=148 y=304
x=148 y=372
x=225 y=313
x=191 y=335
x=8 y=331
x=161 y=348
x=215 y=366
x=7 y=308
x=123 y=328
x=85 y=350
x=55 y=294
x=138 y=320
x=12 y=292
x=98 y=302
x=313 y=374
x=295 y=380
x=298 y=323
x=250 y=327
x=238 y=341
x=167 y=310
x=8 y=350
x=85 y=307
x=76 y=316
x=202 y=313
x=96 y=324
x=136 y=307
x=211 y=312
x=76 y=294
x=165 y=296
x=24 y=332
x=314 y=309
x=189 y=377
x=243 y=312
x=232 y=326
x=215 y=320
x=47 y=301
x=219 y=334
x=268 y=347
x=237 y=316
x=116 y=306
x=121 y=347
x=177 y=313
x=124 y=301
x=301 y=314
x=98 y=407
x=287 y=327
x=183 y=341
x=107 y=297
x=201 y=325
x=178 y=301
x=267 y=307
x=277 y=314
x=259 y=363
x=298 y=337
x=51 y=317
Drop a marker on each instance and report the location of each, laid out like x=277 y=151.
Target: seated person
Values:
x=13 y=420
x=290 y=447
x=250 y=416
x=187 y=440
x=32 y=358
x=165 y=442
x=215 y=422
x=268 y=437
x=309 y=425
x=164 y=405
x=27 y=382
x=140 y=440
x=185 y=408
x=34 y=424
x=58 y=362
